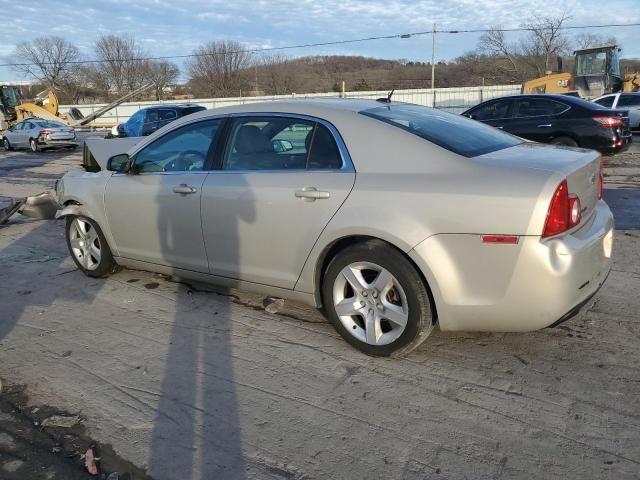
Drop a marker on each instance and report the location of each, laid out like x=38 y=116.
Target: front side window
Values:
x=455 y=133
x=281 y=143
x=492 y=110
x=185 y=149
x=606 y=101
x=629 y=100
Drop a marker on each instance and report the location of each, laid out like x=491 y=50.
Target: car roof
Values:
x=172 y=105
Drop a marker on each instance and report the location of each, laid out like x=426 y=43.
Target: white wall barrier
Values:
x=455 y=100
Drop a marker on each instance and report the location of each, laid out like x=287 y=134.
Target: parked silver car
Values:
x=626 y=101
x=389 y=216
x=38 y=135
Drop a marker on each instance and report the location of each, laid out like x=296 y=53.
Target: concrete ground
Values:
x=188 y=383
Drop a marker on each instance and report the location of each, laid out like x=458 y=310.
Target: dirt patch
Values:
x=41 y=442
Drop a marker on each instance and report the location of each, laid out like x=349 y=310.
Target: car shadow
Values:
x=197 y=430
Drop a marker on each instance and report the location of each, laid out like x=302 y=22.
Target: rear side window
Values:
x=606 y=101
x=190 y=110
x=536 y=107
x=165 y=115
x=455 y=133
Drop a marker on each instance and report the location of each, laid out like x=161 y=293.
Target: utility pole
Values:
x=433 y=57
x=433 y=65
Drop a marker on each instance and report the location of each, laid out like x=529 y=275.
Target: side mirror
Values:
x=282 y=145
x=119 y=163
x=468 y=115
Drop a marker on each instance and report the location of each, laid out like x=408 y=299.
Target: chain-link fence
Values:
x=454 y=100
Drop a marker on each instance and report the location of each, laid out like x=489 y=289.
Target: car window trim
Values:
x=347 y=164
x=208 y=162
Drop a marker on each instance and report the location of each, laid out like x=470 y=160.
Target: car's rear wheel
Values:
x=34 y=145
x=376 y=300
x=566 y=141
x=7 y=145
x=88 y=247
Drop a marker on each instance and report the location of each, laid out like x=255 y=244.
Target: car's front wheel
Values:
x=376 y=299
x=88 y=247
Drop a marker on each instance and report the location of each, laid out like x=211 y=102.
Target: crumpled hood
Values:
x=103 y=149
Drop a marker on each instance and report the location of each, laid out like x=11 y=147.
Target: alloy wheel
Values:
x=85 y=243
x=370 y=303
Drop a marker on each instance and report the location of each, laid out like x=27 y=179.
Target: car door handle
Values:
x=310 y=194
x=545 y=125
x=184 y=189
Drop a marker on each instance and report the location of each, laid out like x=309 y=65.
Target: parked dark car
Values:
x=557 y=119
x=146 y=121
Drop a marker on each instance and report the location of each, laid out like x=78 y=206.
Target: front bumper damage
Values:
x=42 y=207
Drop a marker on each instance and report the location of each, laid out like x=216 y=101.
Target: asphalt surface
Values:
x=187 y=382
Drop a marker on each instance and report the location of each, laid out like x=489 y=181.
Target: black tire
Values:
x=7 y=145
x=566 y=141
x=107 y=264
x=420 y=320
x=34 y=145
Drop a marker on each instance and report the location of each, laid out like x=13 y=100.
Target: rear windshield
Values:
x=190 y=110
x=456 y=133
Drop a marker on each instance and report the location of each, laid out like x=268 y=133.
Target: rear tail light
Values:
x=608 y=121
x=564 y=212
x=601 y=179
x=42 y=133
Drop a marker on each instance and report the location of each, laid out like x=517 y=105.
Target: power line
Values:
x=325 y=44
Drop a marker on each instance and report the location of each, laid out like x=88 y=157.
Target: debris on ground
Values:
x=9 y=211
x=273 y=305
x=90 y=462
x=61 y=421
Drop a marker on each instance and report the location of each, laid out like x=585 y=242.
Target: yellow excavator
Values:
x=14 y=109
x=596 y=72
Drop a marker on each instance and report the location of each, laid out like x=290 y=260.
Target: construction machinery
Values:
x=596 y=72
x=14 y=109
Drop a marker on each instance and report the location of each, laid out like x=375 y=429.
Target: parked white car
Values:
x=389 y=216
x=624 y=100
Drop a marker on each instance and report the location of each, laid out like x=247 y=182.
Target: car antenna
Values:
x=388 y=98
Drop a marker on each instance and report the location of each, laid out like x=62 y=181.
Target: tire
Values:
x=566 y=141
x=387 y=286
x=7 y=145
x=94 y=262
x=34 y=145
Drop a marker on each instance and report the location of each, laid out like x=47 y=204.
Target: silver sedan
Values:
x=38 y=135
x=390 y=216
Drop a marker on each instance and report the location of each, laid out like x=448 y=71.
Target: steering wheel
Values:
x=183 y=163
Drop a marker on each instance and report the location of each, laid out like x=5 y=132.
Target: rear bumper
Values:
x=522 y=287
x=57 y=143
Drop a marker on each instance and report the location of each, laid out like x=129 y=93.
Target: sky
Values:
x=175 y=27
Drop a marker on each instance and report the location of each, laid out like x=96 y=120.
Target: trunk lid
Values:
x=61 y=134
x=580 y=167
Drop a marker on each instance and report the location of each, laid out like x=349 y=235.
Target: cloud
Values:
x=168 y=27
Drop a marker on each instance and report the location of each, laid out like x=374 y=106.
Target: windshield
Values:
x=593 y=63
x=456 y=133
x=11 y=94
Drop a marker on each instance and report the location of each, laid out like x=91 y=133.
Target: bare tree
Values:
x=122 y=68
x=278 y=74
x=218 y=68
x=162 y=74
x=545 y=42
x=494 y=43
x=47 y=59
x=588 y=40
